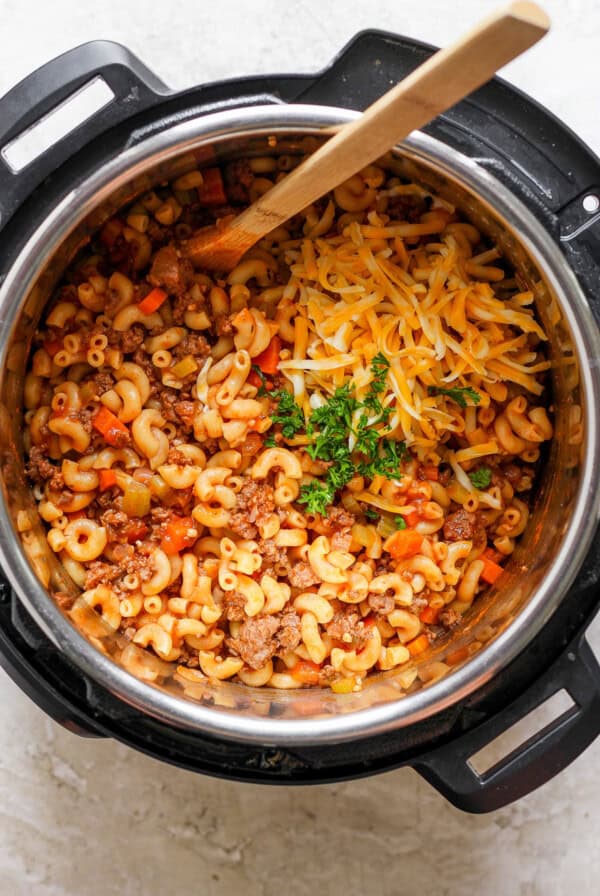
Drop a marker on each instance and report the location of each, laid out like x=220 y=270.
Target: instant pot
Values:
x=532 y=187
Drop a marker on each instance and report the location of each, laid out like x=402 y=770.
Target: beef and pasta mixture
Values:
x=300 y=472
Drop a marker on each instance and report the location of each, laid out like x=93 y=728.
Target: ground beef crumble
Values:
x=103 y=381
x=170 y=271
x=301 y=575
x=337 y=525
x=381 y=603
x=262 y=637
x=233 y=604
x=176 y=409
x=193 y=344
x=275 y=558
x=100 y=573
x=255 y=503
x=449 y=618
x=175 y=456
x=128 y=340
x=41 y=470
x=460 y=525
x=463 y=525
x=347 y=627
x=116 y=523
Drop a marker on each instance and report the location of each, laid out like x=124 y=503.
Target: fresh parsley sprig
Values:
x=317 y=496
x=458 y=394
x=379 y=370
x=481 y=478
x=387 y=462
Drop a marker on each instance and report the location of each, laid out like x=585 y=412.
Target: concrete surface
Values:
x=92 y=818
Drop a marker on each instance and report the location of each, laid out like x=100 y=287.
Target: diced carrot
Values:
x=254 y=380
x=432 y=473
x=412 y=518
x=429 y=615
x=491 y=554
x=180 y=533
x=107 y=478
x=111 y=231
x=491 y=570
x=115 y=433
x=306 y=672
x=136 y=531
x=418 y=645
x=152 y=301
x=53 y=346
x=404 y=544
x=212 y=191
x=452 y=659
x=268 y=361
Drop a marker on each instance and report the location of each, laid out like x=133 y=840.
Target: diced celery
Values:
x=136 y=499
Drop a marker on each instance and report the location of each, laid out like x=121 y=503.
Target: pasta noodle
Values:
x=303 y=472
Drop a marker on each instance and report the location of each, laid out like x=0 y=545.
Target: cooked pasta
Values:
x=302 y=472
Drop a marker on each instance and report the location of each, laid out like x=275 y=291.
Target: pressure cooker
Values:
x=527 y=182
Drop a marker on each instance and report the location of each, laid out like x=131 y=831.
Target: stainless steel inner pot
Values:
x=499 y=626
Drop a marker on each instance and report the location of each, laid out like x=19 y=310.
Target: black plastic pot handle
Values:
x=540 y=758
x=134 y=86
x=13 y=650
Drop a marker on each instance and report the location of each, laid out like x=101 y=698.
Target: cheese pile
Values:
x=433 y=310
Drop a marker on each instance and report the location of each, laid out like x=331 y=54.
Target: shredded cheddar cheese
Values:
x=430 y=309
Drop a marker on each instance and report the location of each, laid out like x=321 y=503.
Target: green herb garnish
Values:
x=317 y=496
x=370 y=514
x=289 y=414
x=399 y=522
x=367 y=437
x=457 y=394
x=387 y=462
x=481 y=478
x=330 y=429
x=336 y=414
x=379 y=369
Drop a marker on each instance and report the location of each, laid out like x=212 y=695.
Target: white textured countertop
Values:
x=93 y=818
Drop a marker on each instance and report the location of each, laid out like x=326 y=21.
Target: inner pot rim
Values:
x=491 y=658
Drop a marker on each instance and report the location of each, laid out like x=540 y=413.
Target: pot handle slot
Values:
x=129 y=88
x=538 y=759
x=370 y=63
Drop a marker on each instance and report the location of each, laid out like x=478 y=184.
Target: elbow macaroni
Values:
x=189 y=501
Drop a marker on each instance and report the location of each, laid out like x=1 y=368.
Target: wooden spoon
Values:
x=447 y=77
